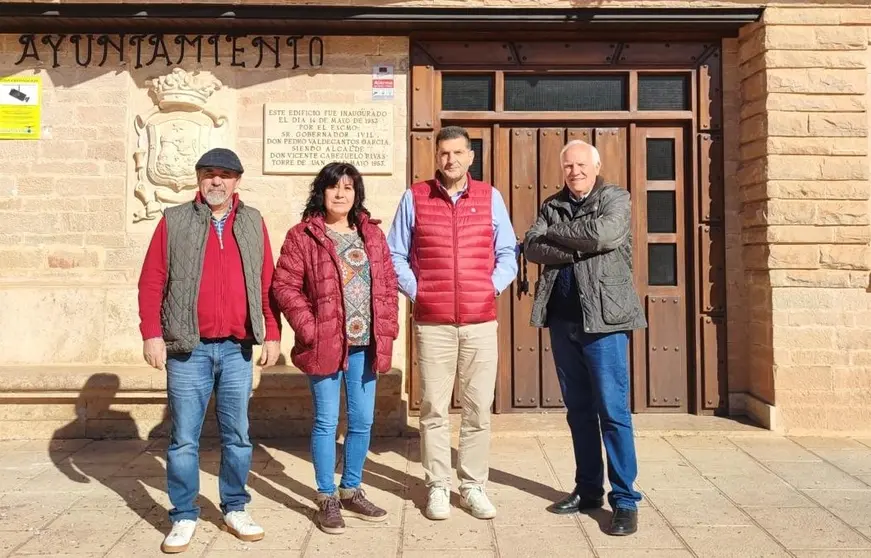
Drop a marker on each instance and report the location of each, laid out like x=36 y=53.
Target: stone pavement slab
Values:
x=852 y=506
x=761 y=489
x=707 y=493
x=809 y=528
x=542 y=540
x=690 y=507
x=731 y=542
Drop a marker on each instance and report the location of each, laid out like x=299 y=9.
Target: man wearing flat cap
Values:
x=204 y=302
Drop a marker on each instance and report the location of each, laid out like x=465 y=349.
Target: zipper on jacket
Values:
x=456 y=263
x=195 y=307
x=223 y=298
x=344 y=321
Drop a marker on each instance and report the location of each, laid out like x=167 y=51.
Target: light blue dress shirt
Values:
x=399 y=241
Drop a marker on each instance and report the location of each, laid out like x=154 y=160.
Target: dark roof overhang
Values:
x=37 y=17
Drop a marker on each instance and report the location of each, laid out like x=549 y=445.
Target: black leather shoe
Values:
x=574 y=503
x=623 y=522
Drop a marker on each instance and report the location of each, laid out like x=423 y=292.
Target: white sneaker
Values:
x=475 y=500
x=241 y=525
x=179 y=538
x=438 y=505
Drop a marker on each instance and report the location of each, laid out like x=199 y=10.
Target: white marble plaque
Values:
x=301 y=138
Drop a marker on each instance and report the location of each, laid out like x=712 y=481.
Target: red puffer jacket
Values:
x=308 y=287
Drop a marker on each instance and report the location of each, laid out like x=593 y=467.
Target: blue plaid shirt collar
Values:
x=219 y=223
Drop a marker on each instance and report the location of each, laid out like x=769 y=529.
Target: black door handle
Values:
x=522 y=272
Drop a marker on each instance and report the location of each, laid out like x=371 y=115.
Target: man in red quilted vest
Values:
x=453 y=248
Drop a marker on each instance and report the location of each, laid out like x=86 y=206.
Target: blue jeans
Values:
x=359 y=380
x=224 y=367
x=593 y=371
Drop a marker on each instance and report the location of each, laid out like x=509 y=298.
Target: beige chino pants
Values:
x=443 y=351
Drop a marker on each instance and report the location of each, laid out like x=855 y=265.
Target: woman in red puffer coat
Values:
x=336 y=286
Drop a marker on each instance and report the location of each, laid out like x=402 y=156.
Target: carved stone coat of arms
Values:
x=171 y=138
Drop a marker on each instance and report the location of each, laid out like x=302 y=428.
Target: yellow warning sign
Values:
x=20 y=107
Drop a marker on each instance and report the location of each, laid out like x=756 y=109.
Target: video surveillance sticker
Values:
x=20 y=107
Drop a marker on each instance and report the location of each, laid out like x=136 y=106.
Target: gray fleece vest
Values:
x=187 y=229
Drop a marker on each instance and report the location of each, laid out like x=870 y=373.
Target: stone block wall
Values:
x=68 y=247
x=70 y=251
x=736 y=308
x=803 y=185
x=39 y=402
x=798 y=232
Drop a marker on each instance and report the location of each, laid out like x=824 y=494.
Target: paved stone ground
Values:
x=707 y=494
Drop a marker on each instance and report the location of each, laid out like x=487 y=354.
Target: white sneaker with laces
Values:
x=241 y=525
x=179 y=538
x=475 y=500
x=438 y=505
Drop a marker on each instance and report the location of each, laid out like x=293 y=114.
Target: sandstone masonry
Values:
x=803 y=186
x=797 y=168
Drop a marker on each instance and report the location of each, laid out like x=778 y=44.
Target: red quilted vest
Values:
x=452 y=254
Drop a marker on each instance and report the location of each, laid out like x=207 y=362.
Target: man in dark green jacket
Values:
x=586 y=297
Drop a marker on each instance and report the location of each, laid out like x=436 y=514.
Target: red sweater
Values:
x=222 y=306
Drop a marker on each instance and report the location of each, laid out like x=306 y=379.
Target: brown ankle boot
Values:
x=355 y=504
x=329 y=515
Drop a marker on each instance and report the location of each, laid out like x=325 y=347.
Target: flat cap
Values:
x=221 y=158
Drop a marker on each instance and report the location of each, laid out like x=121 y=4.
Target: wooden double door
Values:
x=654 y=163
x=650 y=162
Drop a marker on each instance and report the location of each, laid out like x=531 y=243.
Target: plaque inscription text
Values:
x=303 y=137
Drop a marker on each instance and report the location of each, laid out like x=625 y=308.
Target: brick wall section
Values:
x=804 y=183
